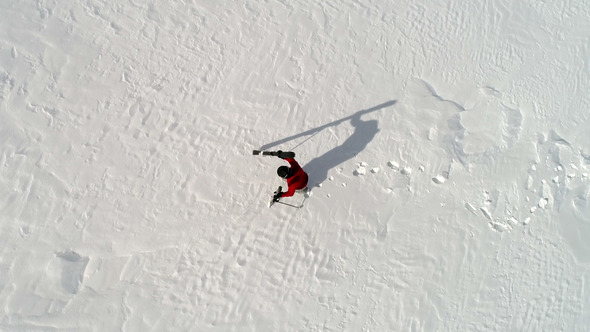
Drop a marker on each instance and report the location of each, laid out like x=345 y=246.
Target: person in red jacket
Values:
x=295 y=176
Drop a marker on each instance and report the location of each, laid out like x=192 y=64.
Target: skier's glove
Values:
x=276 y=197
x=280 y=154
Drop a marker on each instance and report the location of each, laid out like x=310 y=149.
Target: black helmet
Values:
x=283 y=172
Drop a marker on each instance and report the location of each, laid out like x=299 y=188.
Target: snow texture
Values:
x=446 y=143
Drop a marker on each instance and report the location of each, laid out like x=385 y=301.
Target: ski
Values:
x=272 y=199
x=280 y=154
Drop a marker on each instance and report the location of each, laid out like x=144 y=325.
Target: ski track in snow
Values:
x=450 y=157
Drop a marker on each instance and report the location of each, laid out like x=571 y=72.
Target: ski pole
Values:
x=291 y=205
x=307 y=139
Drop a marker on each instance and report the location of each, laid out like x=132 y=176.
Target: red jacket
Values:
x=297 y=181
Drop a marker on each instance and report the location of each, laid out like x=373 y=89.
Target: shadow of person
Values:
x=312 y=132
x=364 y=132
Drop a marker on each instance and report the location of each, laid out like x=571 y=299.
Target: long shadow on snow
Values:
x=364 y=132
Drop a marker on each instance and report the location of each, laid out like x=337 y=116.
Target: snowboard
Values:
x=280 y=154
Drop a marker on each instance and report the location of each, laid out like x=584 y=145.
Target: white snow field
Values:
x=447 y=144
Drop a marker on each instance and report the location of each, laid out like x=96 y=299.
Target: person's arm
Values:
x=290 y=192
x=294 y=165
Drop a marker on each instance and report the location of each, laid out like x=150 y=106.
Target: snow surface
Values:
x=447 y=144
